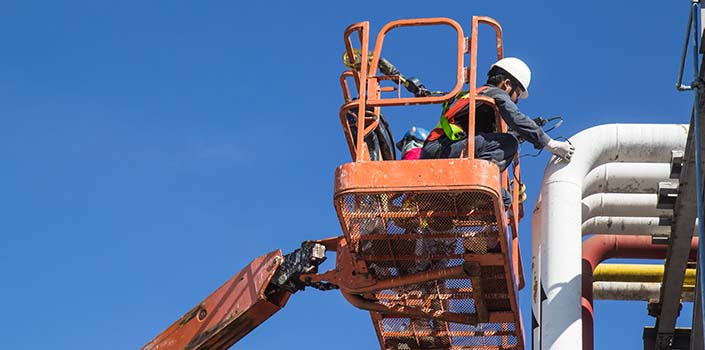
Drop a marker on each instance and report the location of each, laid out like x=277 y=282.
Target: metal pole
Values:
x=698 y=156
x=679 y=84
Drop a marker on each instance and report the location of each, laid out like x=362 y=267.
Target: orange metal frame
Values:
x=370 y=86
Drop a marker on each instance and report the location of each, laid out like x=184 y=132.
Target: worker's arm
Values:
x=517 y=121
x=526 y=127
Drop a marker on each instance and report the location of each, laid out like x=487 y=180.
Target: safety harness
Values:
x=447 y=125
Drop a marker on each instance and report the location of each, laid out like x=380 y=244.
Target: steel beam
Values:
x=685 y=212
x=679 y=247
x=681 y=339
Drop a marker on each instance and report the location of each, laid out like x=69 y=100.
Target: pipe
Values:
x=639 y=291
x=622 y=204
x=626 y=178
x=599 y=248
x=561 y=222
x=626 y=226
x=636 y=273
x=638 y=179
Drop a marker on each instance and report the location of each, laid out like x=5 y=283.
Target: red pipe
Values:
x=599 y=248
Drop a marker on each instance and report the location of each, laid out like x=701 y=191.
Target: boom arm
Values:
x=244 y=302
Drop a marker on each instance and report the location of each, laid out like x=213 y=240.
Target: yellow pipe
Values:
x=636 y=273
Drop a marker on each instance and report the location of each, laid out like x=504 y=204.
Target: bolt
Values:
x=202 y=314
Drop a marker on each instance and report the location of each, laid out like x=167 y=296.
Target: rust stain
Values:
x=534 y=285
x=242 y=326
x=190 y=314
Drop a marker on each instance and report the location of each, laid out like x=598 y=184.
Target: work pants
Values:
x=498 y=148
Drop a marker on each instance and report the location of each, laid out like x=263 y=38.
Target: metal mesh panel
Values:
x=422 y=334
x=404 y=233
x=431 y=296
x=494 y=284
x=433 y=229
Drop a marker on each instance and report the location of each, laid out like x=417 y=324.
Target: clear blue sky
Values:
x=152 y=149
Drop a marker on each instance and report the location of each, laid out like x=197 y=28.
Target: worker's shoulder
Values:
x=493 y=91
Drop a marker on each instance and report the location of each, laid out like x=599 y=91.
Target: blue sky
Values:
x=152 y=149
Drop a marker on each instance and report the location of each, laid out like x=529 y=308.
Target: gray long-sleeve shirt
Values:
x=517 y=121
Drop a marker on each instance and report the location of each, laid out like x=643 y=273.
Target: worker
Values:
x=410 y=145
x=508 y=81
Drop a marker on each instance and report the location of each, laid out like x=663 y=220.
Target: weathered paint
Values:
x=229 y=313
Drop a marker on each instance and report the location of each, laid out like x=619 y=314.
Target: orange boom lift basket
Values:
x=434 y=256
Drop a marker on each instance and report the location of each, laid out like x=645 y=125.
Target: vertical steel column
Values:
x=697 y=31
x=685 y=214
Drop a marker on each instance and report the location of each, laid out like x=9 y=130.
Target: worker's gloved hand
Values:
x=560 y=149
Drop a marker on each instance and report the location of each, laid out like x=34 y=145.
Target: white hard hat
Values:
x=517 y=69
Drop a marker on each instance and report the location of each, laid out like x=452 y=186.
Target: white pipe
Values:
x=643 y=291
x=626 y=178
x=560 y=222
x=640 y=179
x=621 y=204
x=620 y=225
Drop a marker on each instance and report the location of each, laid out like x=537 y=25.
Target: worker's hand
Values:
x=561 y=149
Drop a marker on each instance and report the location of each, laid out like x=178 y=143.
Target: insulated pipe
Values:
x=560 y=220
x=639 y=291
x=626 y=178
x=599 y=248
x=621 y=204
x=640 y=179
x=636 y=273
x=620 y=225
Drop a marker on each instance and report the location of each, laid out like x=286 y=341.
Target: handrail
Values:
x=344 y=84
x=375 y=99
x=346 y=127
x=368 y=82
x=361 y=28
x=518 y=268
x=476 y=20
